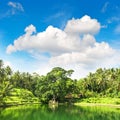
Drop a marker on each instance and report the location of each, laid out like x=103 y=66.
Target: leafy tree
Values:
x=5 y=85
x=55 y=85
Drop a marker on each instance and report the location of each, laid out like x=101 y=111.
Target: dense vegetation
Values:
x=17 y=87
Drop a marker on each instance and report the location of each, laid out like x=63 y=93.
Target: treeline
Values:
x=57 y=85
x=102 y=83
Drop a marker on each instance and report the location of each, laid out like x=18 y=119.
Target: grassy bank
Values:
x=99 y=102
x=19 y=97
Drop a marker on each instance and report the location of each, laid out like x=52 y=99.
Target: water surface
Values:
x=37 y=112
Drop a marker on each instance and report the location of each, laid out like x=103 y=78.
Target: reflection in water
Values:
x=37 y=112
x=53 y=106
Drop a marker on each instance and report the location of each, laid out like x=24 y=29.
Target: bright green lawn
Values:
x=99 y=101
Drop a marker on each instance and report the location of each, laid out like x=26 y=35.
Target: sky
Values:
x=38 y=35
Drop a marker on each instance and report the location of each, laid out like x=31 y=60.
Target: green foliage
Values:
x=25 y=80
x=9 y=81
x=20 y=96
x=57 y=85
x=5 y=85
x=102 y=83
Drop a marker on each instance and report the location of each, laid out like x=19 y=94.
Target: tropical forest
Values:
x=19 y=88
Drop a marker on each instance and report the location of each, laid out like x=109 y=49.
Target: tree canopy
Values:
x=58 y=85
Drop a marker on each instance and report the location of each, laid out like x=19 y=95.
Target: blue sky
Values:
x=37 y=35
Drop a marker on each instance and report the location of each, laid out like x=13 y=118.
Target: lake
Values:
x=41 y=112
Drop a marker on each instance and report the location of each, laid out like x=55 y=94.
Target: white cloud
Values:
x=15 y=7
x=57 y=41
x=91 y=56
x=68 y=48
x=104 y=8
x=12 y=8
x=30 y=29
x=85 y=25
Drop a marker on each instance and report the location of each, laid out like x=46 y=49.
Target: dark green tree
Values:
x=55 y=85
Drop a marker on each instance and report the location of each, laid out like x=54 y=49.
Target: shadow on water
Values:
x=37 y=112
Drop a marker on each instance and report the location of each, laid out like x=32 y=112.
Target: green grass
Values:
x=100 y=101
x=20 y=96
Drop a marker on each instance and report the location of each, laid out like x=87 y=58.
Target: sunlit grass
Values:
x=20 y=96
x=99 y=101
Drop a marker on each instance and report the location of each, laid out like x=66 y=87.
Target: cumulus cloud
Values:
x=75 y=45
x=85 y=25
x=90 y=56
x=57 y=41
